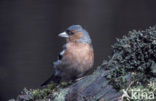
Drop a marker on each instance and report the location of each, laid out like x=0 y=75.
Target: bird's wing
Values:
x=62 y=53
x=59 y=60
x=55 y=77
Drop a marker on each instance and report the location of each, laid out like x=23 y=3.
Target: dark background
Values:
x=28 y=34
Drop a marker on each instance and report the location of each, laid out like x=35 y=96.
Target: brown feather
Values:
x=77 y=35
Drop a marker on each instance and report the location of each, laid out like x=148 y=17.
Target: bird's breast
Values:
x=79 y=56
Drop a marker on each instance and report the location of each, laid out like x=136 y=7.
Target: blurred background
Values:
x=29 y=28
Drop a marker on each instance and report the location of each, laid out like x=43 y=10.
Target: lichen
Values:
x=133 y=60
x=47 y=93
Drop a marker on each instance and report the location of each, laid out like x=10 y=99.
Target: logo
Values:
x=138 y=94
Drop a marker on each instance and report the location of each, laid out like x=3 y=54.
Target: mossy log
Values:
x=92 y=88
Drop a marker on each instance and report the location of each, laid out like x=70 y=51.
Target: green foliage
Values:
x=45 y=93
x=133 y=60
x=64 y=84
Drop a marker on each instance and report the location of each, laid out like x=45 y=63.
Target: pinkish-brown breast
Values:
x=79 y=56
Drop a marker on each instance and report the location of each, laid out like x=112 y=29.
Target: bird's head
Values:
x=76 y=33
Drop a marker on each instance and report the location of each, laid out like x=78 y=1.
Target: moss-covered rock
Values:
x=134 y=61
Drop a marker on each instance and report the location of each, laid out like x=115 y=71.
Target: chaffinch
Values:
x=77 y=56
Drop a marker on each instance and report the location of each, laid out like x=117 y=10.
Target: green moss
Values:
x=52 y=85
x=64 y=84
x=133 y=60
x=46 y=93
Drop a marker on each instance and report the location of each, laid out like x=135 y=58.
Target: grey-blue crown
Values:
x=75 y=27
x=86 y=38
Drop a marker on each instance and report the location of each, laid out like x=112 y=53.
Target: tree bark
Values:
x=94 y=87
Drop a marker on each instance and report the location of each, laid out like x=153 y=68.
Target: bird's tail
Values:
x=53 y=78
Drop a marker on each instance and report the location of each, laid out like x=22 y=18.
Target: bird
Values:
x=76 y=58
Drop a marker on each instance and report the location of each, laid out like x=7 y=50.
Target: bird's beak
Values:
x=63 y=34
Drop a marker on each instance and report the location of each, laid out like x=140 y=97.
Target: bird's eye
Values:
x=69 y=32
